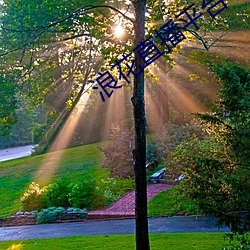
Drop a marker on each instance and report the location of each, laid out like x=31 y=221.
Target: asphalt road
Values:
x=14 y=153
x=156 y=225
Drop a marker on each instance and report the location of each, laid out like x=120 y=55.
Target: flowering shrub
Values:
x=33 y=197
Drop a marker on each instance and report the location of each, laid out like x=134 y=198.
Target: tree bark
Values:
x=139 y=151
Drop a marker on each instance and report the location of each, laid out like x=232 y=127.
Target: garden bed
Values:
x=30 y=219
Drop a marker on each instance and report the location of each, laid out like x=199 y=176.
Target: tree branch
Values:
x=42 y=29
x=194 y=33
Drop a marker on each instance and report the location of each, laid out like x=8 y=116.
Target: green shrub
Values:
x=103 y=194
x=81 y=194
x=57 y=193
x=242 y=241
x=165 y=142
x=33 y=197
x=109 y=189
x=48 y=215
x=73 y=209
x=152 y=156
x=123 y=185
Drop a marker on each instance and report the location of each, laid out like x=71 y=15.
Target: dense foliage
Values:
x=54 y=47
x=8 y=105
x=162 y=143
x=90 y=193
x=56 y=194
x=217 y=168
x=32 y=199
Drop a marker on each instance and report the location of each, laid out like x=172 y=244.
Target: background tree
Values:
x=165 y=142
x=8 y=105
x=118 y=155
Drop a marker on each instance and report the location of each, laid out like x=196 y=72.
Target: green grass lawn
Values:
x=169 y=203
x=16 y=175
x=170 y=241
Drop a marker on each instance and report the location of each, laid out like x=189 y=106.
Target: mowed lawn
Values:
x=170 y=241
x=16 y=175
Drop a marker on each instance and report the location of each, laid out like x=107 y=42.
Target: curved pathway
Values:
x=125 y=206
x=156 y=225
x=17 y=152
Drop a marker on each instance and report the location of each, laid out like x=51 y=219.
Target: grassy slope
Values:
x=169 y=203
x=173 y=241
x=16 y=175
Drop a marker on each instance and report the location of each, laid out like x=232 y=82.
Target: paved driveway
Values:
x=14 y=153
x=156 y=225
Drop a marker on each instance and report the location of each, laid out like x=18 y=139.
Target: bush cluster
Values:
x=57 y=193
x=61 y=193
x=84 y=194
x=33 y=197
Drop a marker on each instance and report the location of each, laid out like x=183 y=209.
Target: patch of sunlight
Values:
x=51 y=161
x=15 y=247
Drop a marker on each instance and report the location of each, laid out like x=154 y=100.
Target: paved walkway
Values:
x=156 y=225
x=125 y=206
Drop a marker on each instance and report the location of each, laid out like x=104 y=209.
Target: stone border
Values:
x=30 y=219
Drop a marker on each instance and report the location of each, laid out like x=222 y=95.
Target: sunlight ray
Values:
x=52 y=159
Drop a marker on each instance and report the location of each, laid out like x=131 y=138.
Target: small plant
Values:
x=103 y=195
x=81 y=194
x=48 y=215
x=76 y=210
x=57 y=193
x=243 y=242
x=33 y=197
x=109 y=189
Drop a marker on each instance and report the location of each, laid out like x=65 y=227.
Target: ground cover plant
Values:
x=171 y=241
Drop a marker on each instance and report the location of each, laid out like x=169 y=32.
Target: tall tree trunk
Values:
x=139 y=152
